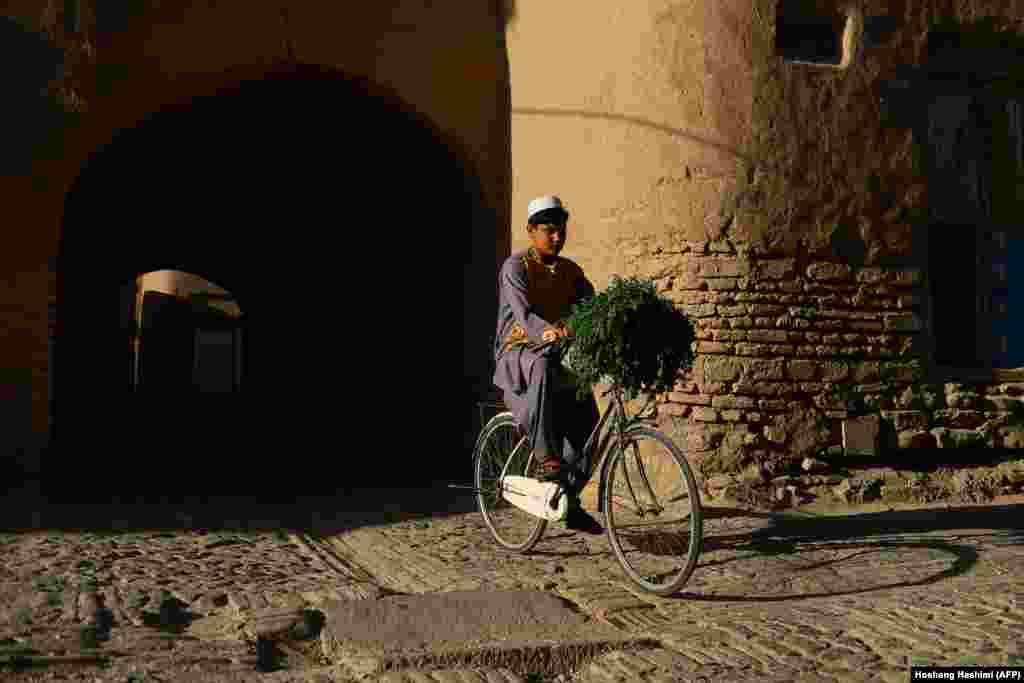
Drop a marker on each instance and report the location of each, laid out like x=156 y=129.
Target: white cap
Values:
x=541 y=203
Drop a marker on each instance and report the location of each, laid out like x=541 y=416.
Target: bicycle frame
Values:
x=620 y=423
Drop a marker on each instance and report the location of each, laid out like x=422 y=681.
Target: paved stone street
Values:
x=852 y=598
x=192 y=592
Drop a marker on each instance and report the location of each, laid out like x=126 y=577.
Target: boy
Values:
x=537 y=289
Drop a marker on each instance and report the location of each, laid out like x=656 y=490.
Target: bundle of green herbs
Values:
x=628 y=336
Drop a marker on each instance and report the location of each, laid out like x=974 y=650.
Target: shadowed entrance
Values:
x=347 y=228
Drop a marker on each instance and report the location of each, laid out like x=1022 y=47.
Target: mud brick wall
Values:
x=774 y=335
x=804 y=271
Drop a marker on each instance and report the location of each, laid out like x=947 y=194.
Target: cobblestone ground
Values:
x=193 y=591
x=161 y=593
x=853 y=598
x=185 y=594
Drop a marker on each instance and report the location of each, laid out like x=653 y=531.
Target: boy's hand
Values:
x=559 y=332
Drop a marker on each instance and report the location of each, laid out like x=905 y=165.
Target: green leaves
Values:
x=630 y=335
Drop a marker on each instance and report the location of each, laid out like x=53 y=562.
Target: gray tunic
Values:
x=513 y=366
x=537 y=389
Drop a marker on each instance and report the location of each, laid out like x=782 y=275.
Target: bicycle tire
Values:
x=616 y=536
x=489 y=454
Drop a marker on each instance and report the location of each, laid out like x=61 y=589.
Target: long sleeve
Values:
x=514 y=292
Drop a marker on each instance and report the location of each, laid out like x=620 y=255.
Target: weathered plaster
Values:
x=639 y=126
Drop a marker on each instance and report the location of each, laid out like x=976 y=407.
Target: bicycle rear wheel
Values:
x=504 y=450
x=652 y=511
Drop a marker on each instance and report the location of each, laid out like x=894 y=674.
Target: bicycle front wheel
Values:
x=652 y=511
x=503 y=450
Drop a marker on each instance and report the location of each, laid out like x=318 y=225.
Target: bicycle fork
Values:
x=642 y=510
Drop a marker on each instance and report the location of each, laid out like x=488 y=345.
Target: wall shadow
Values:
x=645 y=123
x=26 y=508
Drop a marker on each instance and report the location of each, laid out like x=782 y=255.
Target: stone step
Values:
x=527 y=632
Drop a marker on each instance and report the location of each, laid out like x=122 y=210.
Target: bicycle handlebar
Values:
x=544 y=345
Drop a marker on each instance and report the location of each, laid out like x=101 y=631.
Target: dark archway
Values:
x=348 y=227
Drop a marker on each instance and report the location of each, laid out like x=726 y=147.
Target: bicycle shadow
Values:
x=566 y=536
x=785 y=535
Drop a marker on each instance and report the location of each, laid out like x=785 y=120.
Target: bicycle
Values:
x=502 y=450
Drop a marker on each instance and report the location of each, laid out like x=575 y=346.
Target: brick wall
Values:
x=810 y=274
x=776 y=335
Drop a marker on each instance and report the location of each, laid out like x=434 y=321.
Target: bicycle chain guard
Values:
x=545 y=500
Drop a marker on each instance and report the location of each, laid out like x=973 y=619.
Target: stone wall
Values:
x=955 y=415
x=777 y=338
x=772 y=334
x=810 y=277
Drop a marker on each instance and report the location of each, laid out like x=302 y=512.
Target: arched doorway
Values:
x=347 y=227
x=188 y=336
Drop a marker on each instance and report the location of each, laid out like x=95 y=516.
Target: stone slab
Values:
x=860 y=435
x=524 y=631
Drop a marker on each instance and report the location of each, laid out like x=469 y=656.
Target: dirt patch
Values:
x=878 y=485
x=975 y=485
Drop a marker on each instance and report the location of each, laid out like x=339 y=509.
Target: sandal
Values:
x=577 y=519
x=550 y=469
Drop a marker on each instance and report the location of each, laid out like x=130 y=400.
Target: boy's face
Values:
x=548 y=238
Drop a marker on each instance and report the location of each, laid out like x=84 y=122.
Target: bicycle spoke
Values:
x=629 y=484
x=503 y=452
x=649 y=524
x=620 y=503
x=652 y=513
x=681 y=496
x=656 y=508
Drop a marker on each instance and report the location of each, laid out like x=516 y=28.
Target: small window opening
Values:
x=808 y=34
x=956 y=299
x=186 y=334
